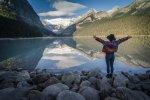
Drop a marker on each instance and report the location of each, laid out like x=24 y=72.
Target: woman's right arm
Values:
x=98 y=39
x=123 y=39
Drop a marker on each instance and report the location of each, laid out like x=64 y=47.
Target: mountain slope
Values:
x=134 y=8
x=132 y=20
x=18 y=19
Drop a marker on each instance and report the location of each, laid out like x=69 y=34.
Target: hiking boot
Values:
x=108 y=75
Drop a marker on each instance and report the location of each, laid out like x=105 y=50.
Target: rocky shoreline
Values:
x=86 y=85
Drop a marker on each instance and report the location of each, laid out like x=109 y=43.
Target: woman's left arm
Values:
x=98 y=39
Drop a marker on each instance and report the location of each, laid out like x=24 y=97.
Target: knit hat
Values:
x=111 y=37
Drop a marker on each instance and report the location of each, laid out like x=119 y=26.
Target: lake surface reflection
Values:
x=72 y=54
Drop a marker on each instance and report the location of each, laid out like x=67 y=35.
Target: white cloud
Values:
x=68 y=6
x=56 y=13
x=63 y=8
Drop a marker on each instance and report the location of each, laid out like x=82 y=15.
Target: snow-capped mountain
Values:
x=66 y=27
x=58 y=25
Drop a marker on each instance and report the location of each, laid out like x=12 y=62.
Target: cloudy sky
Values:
x=72 y=8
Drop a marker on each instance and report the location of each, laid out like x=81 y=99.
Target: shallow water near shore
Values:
x=72 y=54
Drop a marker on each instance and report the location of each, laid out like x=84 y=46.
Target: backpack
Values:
x=110 y=47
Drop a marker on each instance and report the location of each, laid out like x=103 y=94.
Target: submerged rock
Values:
x=69 y=95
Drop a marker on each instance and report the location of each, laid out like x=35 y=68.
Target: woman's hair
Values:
x=111 y=37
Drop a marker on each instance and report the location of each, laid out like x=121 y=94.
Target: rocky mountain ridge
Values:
x=134 y=7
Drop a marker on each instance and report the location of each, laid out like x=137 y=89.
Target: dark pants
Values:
x=110 y=57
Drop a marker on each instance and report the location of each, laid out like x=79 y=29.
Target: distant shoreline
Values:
x=69 y=37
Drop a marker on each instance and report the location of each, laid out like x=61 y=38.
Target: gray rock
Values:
x=83 y=78
x=58 y=76
x=85 y=83
x=6 y=84
x=89 y=93
x=6 y=90
x=32 y=74
x=126 y=94
x=14 y=94
x=143 y=76
x=132 y=78
x=94 y=73
x=23 y=75
x=120 y=81
x=22 y=84
x=54 y=90
x=110 y=98
x=51 y=91
x=70 y=78
x=93 y=81
x=133 y=86
x=148 y=72
x=105 y=87
x=75 y=88
x=84 y=73
x=14 y=76
x=51 y=81
x=62 y=86
x=145 y=85
x=69 y=95
x=41 y=78
x=35 y=95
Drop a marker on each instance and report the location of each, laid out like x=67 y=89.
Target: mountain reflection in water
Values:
x=71 y=54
